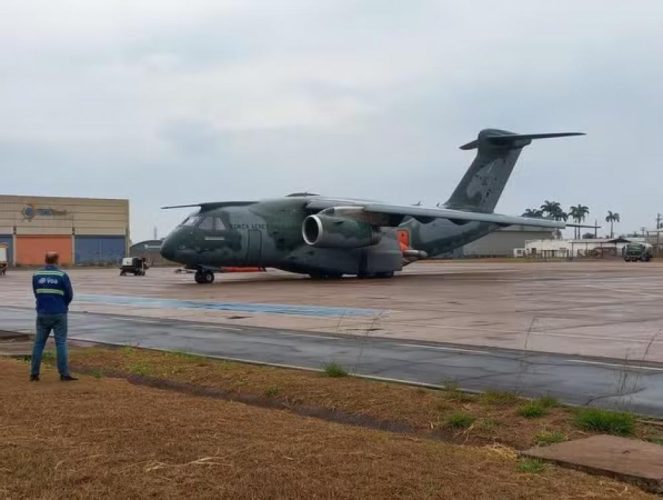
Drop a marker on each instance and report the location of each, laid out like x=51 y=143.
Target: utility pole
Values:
x=596 y=228
x=658 y=233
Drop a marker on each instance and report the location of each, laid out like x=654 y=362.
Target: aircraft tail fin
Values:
x=497 y=153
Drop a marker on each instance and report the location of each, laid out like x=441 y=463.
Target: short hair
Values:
x=51 y=258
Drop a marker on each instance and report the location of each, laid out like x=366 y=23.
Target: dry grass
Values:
x=106 y=438
x=496 y=414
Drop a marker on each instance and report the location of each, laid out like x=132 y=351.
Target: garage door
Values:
x=30 y=250
x=99 y=249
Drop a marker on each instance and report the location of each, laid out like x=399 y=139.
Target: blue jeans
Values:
x=46 y=323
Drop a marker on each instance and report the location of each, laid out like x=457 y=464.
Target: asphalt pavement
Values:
x=616 y=384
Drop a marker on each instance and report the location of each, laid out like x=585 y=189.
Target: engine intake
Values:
x=325 y=231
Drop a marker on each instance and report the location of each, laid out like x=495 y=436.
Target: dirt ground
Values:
x=386 y=405
x=106 y=437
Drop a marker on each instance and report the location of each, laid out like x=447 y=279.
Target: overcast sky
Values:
x=167 y=102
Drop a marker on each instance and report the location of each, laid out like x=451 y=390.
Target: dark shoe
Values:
x=67 y=378
x=34 y=378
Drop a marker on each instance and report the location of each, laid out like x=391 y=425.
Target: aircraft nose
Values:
x=168 y=247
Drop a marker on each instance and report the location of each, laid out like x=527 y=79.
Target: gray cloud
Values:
x=204 y=100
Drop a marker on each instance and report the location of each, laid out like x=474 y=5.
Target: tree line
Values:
x=578 y=213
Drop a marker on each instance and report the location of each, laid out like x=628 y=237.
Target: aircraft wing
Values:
x=393 y=215
x=461 y=216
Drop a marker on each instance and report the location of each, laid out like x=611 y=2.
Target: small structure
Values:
x=501 y=243
x=150 y=250
x=83 y=231
x=4 y=261
x=134 y=265
x=565 y=249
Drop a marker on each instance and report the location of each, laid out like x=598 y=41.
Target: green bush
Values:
x=532 y=409
x=610 y=422
x=334 y=370
x=545 y=438
x=272 y=391
x=499 y=398
x=48 y=357
x=548 y=402
x=531 y=466
x=460 y=420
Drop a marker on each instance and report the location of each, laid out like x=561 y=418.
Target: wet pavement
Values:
x=573 y=379
x=595 y=308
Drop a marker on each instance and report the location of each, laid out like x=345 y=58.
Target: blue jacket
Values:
x=52 y=290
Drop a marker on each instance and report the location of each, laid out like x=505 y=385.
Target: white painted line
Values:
x=451 y=349
x=624 y=366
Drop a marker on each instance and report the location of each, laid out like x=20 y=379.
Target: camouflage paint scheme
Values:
x=330 y=237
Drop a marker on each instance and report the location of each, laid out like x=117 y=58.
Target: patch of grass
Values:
x=186 y=355
x=140 y=369
x=334 y=370
x=97 y=373
x=545 y=438
x=452 y=392
x=488 y=424
x=499 y=398
x=531 y=466
x=548 y=402
x=127 y=350
x=460 y=420
x=532 y=409
x=48 y=357
x=272 y=392
x=610 y=422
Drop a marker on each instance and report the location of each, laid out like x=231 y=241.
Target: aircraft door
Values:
x=254 y=250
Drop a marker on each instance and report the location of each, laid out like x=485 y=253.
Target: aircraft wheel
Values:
x=387 y=274
x=325 y=276
x=204 y=277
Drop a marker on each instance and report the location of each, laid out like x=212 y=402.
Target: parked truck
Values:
x=634 y=252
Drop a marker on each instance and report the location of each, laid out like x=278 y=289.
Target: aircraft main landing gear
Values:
x=382 y=275
x=204 y=276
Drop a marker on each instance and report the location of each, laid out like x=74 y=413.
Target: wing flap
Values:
x=461 y=216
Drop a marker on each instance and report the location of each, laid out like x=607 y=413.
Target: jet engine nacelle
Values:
x=326 y=231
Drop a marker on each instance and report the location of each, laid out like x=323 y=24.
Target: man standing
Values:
x=53 y=292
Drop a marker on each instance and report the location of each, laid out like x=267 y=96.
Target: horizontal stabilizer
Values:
x=503 y=138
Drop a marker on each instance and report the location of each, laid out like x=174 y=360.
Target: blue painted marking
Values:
x=288 y=309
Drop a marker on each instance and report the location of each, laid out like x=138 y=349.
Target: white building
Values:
x=563 y=249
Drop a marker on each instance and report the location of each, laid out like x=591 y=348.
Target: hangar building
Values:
x=82 y=230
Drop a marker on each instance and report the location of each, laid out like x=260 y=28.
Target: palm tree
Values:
x=533 y=212
x=554 y=210
x=612 y=217
x=578 y=214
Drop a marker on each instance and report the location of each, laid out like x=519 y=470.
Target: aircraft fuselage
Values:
x=269 y=234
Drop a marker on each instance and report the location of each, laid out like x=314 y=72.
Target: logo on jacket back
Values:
x=48 y=281
x=29 y=212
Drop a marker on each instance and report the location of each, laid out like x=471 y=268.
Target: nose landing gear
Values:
x=204 y=276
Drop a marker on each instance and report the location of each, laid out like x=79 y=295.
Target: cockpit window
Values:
x=218 y=224
x=191 y=220
x=207 y=224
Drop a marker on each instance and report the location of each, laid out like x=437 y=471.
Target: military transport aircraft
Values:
x=328 y=237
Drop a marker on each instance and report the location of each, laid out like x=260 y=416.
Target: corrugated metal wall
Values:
x=30 y=250
x=99 y=249
x=7 y=240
